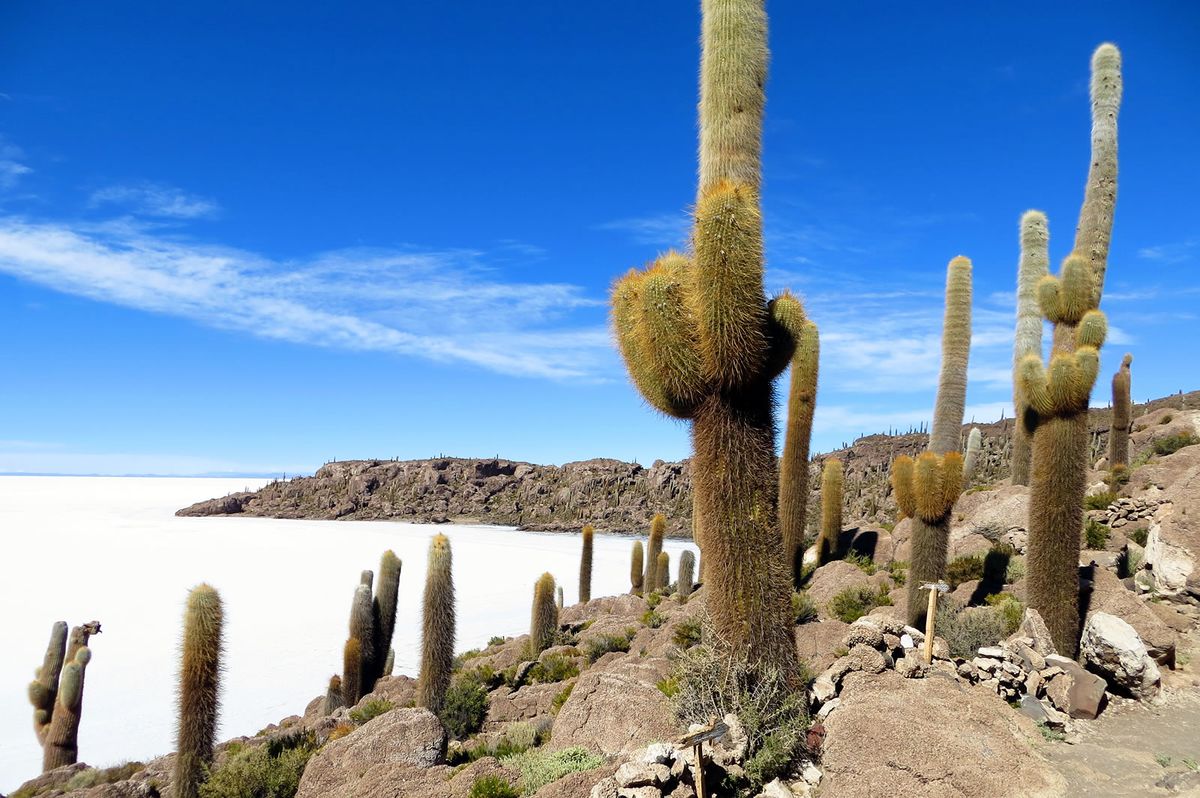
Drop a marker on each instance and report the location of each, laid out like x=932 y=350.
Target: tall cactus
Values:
x=971 y=458
x=1118 y=434
x=362 y=629
x=658 y=528
x=585 y=566
x=662 y=573
x=387 y=589
x=636 y=572
x=701 y=343
x=925 y=492
x=199 y=688
x=44 y=688
x=945 y=434
x=794 y=466
x=687 y=574
x=352 y=672
x=831 y=510
x=543 y=616
x=437 y=627
x=1058 y=395
x=56 y=714
x=1033 y=266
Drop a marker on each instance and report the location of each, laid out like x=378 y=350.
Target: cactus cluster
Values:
x=925 y=490
x=367 y=652
x=794 y=466
x=199 y=689
x=832 y=480
x=658 y=528
x=1122 y=418
x=56 y=693
x=701 y=343
x=437 y=627
x=1058 y=394
x=585 y=566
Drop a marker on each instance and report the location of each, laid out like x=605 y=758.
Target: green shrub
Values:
x=1173 y=443
x=493 y=787
x=1138 y=535
x=862 y=561
x=93 y=777
x=804 y=609
x=1015 y=571
x=855 y=602
x=516 y=738
x=652 y=619
x=898 y=570
x=1099 y=501
x=539 y=768
x=370 y=709
x=1010 y=608
x=773 y=760
x=1095 y=534
x=966 y=630
x=464 y=708
x=465 y=657
x=603 y=644
x=554 y=668
x=654 y=599
x=668 y=686
x=561 y=699
x=265 y=771
x=687 y=632
x=497 y=641
x=964 y=569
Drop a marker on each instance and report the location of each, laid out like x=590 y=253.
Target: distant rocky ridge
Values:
x=612 y=495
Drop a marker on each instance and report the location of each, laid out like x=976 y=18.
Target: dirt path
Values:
x=1135 y=749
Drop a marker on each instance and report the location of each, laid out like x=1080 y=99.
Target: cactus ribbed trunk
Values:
x=946 y=431
x=1032 y=267
x=199 y=689
x=662 y=573
x=44 y=688
x=930 y=545
x=636 y=572
x=1118 y=434
x=585 y=566
x=925 y=491
x=543 y=617
x=438 y=623
x=61 y=746
x=831 y=511
x=658 y=528
x=362 y=628
x=352 y=672
x=387 y=589
x=687 y=574
x=794 y=465
x=733 y=74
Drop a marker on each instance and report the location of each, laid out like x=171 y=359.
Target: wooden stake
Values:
x=700 y=770
x=934 y=588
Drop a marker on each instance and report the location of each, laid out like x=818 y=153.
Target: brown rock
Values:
x=1110 y=595
x=817 y=641
x=831 y=579
x=617 y=709
x=1075 y=691
x=529 y=703
x=897 y=736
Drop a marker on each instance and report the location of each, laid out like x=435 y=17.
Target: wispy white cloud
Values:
x=447 y=306
x=156 y=199
x=11 y=166
x=656 y=230
x=61 y=459
x=1175 y=252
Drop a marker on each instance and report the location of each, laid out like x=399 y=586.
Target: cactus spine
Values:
x=687 y=574
x=831 y=510
x=585 y=566
x=701 y=343
x=437 y=627
x=946 y=432
x=1033 y=266
x=662 y=571
x=543 y=618
x=658 y=527
x=925 y=491
x=199 y=688
x=636 y=574
x=971 y=458
x=1118 y=435
x=793 y=467
x=1058 y=395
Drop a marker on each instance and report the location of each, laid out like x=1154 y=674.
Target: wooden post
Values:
x=934 y=588
x=700 y=770
x=715 y=731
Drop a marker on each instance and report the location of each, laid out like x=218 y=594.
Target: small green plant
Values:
x=265 y=771
x=603 y=644
x=773 y=759
x=1138 y=535
x=464 y=708
x=668 y=686
x=652 y=619
x=497 y=641
x=561 y=698
x=855 y=602
x=862 y=561
x=1010 y=608
x=93 y=777
x=898 y=571
x=1050 y=735
x=370 y=710
x=539 y=768
x=965 y=630
x=964 y=569
x=554 y=668
x=687 y=633
x=1163 y=760
x=1173 y=443
x=1095 y=534
x=493 y=787
x=653 y=599
x=804 y=609
x=1099 y=501
x=1015 y=571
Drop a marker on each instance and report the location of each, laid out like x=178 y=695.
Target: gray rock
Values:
x=906 y=641
x=1113 y=648
x=864 y=633
x=1034 y=628
x=866 y=659
x=605 y=788
x=641 y=774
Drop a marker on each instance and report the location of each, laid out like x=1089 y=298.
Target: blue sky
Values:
x=258 y=236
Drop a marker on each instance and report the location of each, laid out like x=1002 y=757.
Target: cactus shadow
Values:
x=995 y=571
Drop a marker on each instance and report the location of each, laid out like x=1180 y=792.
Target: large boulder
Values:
x=1173 y=543
x=356 y=765
x=933 y=738
x=617 y=709
x=1152 y=622
x=816 y=643
x=831 y=579
x=1113 y=648
x=985 y=517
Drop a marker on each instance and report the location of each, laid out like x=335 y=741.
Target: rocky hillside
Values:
x=613 y=495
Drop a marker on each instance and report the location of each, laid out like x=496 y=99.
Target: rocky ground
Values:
x=995 y=713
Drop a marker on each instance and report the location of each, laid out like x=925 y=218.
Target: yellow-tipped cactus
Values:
x=831 y=511
x=585 y=566
x=333 y=696
x=687 y=574
x=1032 y=267
x=706 y=347
x=658 y=528
x=199 y=689
x=946 y=430
x=1118 y=434
x=636 y=572
x=925 y=491
x=437 y=627
x=794 y=466
x=543 y=618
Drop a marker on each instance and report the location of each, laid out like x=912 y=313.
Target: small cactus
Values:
x=559 y=600
x=662 y=572
x=333 y=696
x=658 y=527
x=351 y=672
x=687 y=576
x=199 y=689
x=794 y=465
x=926 y=490
x=585 y=566
x=636 y=574
x=971 y=458
x=1118 y=434
x=831 y=511
x=437 y=627
x=362 y=628
x=543 y=620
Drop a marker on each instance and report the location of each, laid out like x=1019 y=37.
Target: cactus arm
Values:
x=1094 y=231
x=636 y=569
x=946 y=430
x=1118 y=436
x=658 y=529
x=794 y=465
x=585 y=565
x=387 y=591
x=362 y=627
x=971 y=458
x=1034 y=264
x=61 y=745
x=831 y=510
x=44 y=688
